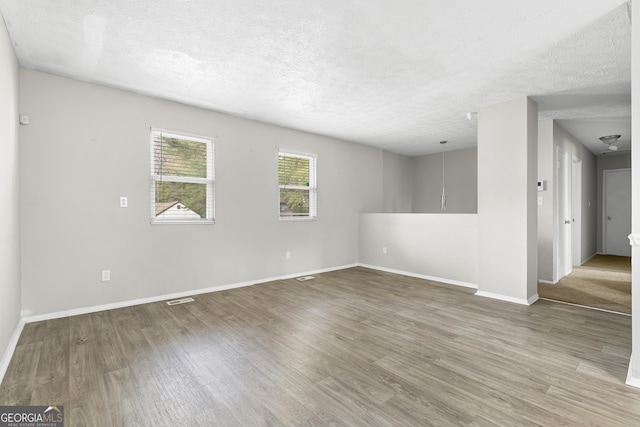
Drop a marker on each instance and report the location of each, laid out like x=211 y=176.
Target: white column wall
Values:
x=507 y=209
x=9 y=194
x=633 y=377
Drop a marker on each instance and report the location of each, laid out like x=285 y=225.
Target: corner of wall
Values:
x=10 y=286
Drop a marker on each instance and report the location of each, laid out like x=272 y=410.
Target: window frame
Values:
x=312 y=187
x=209 y=180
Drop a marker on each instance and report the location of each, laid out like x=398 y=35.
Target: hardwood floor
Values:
x=355 y=347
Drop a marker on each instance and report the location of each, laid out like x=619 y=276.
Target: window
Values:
x=181 y=178
x=297 y=184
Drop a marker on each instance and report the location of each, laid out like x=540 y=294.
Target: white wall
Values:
x=9 y=195
x=460 y=179
x=633 y=377
x=88 y=145
x=507 y=221
x=397 y=183
x=550 y=136
x=546 y=224
x=443 y=247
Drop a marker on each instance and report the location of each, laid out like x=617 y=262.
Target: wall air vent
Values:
x=180 y=301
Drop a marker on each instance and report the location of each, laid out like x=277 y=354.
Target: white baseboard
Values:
x=164 y=297
x=548 y=282
x=11 y=347
x=632 y=380
x=507 y=298
x=421 y=276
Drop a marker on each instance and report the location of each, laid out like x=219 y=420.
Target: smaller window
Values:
x=297 y=185
x=181 y=178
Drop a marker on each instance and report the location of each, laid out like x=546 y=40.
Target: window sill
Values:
x=208 y=222
x=294 y=219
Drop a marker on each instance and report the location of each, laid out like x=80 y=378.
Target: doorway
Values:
x=616 y=216
x=576 y=210
x=564 y=216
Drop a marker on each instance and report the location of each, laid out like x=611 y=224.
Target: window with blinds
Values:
x=182 y=183
x=297 y=185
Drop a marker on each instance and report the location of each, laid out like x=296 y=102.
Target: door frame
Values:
x=563 y=259
x=576 y=209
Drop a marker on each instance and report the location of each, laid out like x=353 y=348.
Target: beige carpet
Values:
x=602 y=282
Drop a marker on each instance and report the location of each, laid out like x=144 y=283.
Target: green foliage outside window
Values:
x=295 y=174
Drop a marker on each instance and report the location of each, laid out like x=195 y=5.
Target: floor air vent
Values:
x=304 y=278
x=180 y=301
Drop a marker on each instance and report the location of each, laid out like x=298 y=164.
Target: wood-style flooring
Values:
x=355 y=347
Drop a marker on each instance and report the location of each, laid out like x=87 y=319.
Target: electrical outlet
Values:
x=287 y=255
x=106 y=275
x=384 y=250
x=124 y=202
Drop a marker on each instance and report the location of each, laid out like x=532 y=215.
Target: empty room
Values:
x=242 y=213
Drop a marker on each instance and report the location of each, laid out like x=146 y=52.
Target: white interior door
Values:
x=576 y=209
x=564 y=223
x=617 y=211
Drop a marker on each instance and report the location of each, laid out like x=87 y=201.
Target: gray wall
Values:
x=397 y=187
x=9 y=194
x=550 y=136
x=414 y=184
x=460 y=179
x=88 y=145
x=616 y=161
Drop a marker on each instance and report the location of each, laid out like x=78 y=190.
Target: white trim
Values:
x=208 y=181
x=634 y=239
x=183 y=179
x=548 y=282
x=164 y=297
x=312 y=187
x=298 y=218
x=421 y=276
x=181 y=135
x=500 y=297
x=586 y=306
x=632 y=380
x=576 y=210
x=11 y=348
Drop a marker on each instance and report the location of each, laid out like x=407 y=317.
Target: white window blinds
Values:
x=182 y=180
x=297 y=185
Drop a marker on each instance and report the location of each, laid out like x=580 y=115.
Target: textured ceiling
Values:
x=396 y=75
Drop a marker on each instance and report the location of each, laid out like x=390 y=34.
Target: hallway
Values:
x=603 y=282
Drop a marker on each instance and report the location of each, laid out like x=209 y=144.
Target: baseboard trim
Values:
x=586 y=306
x=11 y=348
x=548 y=282
x=632 y=380
x=421 y=276
x=164 y=297
x=507 y=298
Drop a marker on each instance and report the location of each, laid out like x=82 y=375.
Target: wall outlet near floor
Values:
x=106 y=275
x=287 y=255
x=384 y=250
x=124 y=202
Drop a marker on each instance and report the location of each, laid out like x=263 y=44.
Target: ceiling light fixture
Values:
x=610 y=140
x=470 y=115
x=443 y=198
